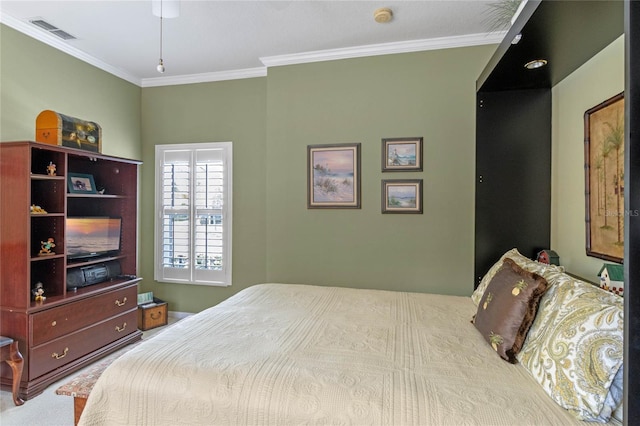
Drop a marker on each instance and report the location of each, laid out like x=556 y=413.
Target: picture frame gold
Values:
x=604 y=179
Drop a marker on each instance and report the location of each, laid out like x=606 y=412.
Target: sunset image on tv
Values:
x=89 y=236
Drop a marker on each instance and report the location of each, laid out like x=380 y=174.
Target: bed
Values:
x=278 y=354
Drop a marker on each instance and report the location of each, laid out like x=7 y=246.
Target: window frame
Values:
x=227 y=213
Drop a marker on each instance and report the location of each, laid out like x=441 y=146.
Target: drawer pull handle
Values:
x=156 y=316
x=60 y=356
x=119 y=303
x=53 y=323
x=119 y=330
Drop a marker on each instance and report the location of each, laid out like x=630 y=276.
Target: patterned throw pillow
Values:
x=508 y=307
x=575 y=347
x=524 y=262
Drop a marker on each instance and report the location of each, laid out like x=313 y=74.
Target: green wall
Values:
x=210 y=112
x=429 y=94
x=271 y=120
x=603 y=77
x=276 y=238
x=35 y=77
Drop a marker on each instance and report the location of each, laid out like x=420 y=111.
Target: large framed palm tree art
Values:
x=604 y=178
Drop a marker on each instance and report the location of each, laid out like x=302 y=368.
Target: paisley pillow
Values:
x=575 y=346
x=524 y=262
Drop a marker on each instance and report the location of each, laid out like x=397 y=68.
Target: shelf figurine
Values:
x=46 y=247
x=38 y=292
x=51 y=169
x=612 y=278
x=37 y=209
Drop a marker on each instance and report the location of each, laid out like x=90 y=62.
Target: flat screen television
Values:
x=93 y=236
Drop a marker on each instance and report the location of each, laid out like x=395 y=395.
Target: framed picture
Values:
x=402 y=155
x=604 y=179
x=79 y=183
x=402 y=196
x=333 y=176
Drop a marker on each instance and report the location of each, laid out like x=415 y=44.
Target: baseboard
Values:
x=179 y=315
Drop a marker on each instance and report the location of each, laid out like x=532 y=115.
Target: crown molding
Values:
x=205 y=77
x=267 y=61
x=63 y=46
x=384 y=49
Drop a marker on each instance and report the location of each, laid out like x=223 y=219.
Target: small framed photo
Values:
x=333 y=176
x=402 y=154
x=402 y=196
x=78 y=183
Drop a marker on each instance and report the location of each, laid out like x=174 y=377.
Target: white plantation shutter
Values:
x=193 y=226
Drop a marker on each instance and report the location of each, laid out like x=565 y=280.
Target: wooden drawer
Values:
x=62 y=320
x=57 y=353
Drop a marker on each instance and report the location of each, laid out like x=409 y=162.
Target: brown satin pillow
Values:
x=508 y=307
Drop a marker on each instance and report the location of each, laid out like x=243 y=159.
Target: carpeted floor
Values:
x=49 y=409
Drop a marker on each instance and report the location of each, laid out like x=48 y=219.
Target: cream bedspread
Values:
x=277 y=354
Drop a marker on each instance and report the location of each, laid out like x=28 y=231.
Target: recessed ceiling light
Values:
x=537 y=63
x=382 y=15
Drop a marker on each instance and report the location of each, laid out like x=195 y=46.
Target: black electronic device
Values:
x=113 y=268
x=93 y=274
x=75 y=278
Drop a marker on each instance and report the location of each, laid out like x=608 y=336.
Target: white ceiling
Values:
x=217 y=40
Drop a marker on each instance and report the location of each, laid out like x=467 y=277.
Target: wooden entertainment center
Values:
x=71 y=327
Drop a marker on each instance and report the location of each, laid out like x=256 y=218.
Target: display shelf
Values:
x=26 y=181
x=51 y=256
x=97 y=196
x=95 y=261
x=35 y=176
x=44 y=215
x=41 y=158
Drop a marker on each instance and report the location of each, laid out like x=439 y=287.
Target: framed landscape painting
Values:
x=402 y=196
x=604 y=179
x=402 y=155
x=333 y=176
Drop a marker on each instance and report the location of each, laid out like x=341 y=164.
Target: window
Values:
x=193 y=221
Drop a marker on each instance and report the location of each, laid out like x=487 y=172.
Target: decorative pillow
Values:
x=508 y=307
x=618 y=413
x=575 y=347
x=613 y=406
x=524 y=262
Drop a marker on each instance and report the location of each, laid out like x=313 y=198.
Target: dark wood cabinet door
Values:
x=513 y=174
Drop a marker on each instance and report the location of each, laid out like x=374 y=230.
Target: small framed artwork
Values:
x=333 y=176
x=604 y=179
x=402 y=196
x=402 y=154
x=79 y=183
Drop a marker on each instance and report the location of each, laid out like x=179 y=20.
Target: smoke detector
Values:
x=382 y=15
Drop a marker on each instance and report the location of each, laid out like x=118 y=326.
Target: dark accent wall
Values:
x=566 y=33
x=568 y=43
x=513 y=174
